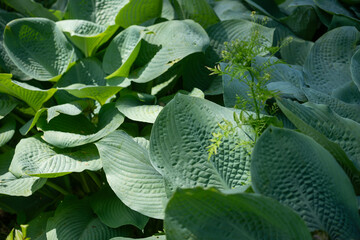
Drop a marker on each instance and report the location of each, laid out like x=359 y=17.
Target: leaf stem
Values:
x=95 y=178
x=84 y=183
x=57 y=188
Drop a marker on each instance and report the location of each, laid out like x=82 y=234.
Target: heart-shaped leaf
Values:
x=328 y=64
x=33 y=156
x=209 y=214
x=179 y=140
x=139 y=185
x=297 y=171
x=70 y=131
x=87 y=36
x=38 y=48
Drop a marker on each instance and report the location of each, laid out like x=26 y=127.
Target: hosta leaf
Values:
x=308 y=120
x=25 y=129
x=122 y=52
x=113 y=212
x=6 y=64
x=38 y=47
x=160 y=237
x=209 y=214
x=33 y=96
x=355 y=68
x=33 y=156
x=87 y=36
x=161 y=50
x=348 y=93
x=70 y=131
x=7 y=104
x=74 y=220
x=121 y=12
x=333 y=7
x=179 y=140
x=328 y=63
x=231 y=9
x=37 y=226
x=138 y=185
x=98 y=93
x=269 y=8
x=296 y=51
x=137 y=110
x=167 y=11
x=198 y=10
x=7 y=130
x=72 y=108
x=346 y=110
x=31 y=8
x=16 y=186
x=307 y=179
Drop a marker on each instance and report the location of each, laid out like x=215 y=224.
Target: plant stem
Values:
x=17 y=118
x=95 y=178
x=57 y=188
x=84 y=183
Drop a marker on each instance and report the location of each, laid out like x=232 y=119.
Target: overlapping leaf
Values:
x=300 y=173
x=138 y=185
x=7 y=104
x=179 y=140
x=38 y=47
x=209 y=214
x=7 y=130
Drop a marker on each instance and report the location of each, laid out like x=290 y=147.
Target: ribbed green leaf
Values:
x=7 y=104
x=86 y=35
x=167 y=11
x=122 y=52
x=33 y=156
x=38 y=47
x=160 y=50
x=348 y=93
x=231 y=9
x=121 y=12
x=269 y=7
x=179 y=140
x=113 y=212
x=138 y=110
x=346 y=110
x=198 y=10
x=328 y=63
x=138 y=185
x=209 y=215
x=297 y=171
x=333 y=7
x=33 y=96
x=355 y=68
x=71 y=131
x=25 y=129
x=6 y=64
x=296 y=51
x=72 y=108
x=37 y=226
x=31 y=8
x=16 y=186
x=74 y=220
x=7 y=130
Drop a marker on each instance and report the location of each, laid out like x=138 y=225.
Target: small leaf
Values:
x=7 y=104
x=38 y=48
x=7 y=130
x=70 y=131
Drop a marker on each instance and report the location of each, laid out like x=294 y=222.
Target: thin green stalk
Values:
x=46 y=193
x=84 y=183
x=257 y=110
x=95 y=178
x=57 y=188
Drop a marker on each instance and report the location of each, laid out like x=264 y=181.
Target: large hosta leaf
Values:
x=161 y=50
x=355 y=68
x=38 y=47
x=71 y=131
x=209 y=214
x=37 y=226
x=328 y=64
x=296 y=51
x=33 y=156
x=300 y=173
x=113 y=212
x=75 y=220
x=333 y=7
x=130 y=174
x=179 y=141
x=16 y=186
x=198 y=10
x=86 y=35
x=122 y=52
x=121 y=12
x=33 y=96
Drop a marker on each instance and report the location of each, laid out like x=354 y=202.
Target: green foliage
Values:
x=113 y=127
